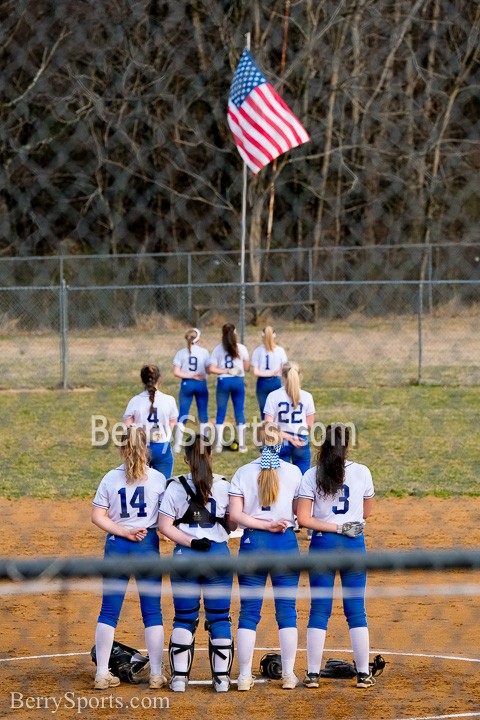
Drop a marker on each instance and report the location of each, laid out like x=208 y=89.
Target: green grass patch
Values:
x=416 y=440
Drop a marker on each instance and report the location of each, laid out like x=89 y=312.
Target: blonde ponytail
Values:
x=270 y=439
x=269 y=338
x=192 y=336
x=135 y=453
x=291 y=382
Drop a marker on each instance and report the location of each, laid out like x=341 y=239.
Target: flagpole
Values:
x=244 y=236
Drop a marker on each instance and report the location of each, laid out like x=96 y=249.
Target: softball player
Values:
x=336 y=497
x=294 y=411
x=230 y=361
x=190 y=364
x=194 y=514
x=263 y=498
x=158 y=414
x=126 y=508
x=267 y=362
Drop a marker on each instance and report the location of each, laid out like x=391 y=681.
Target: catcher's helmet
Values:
x=271 y=666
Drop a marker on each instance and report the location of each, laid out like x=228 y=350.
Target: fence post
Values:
x=189 y=289
x=64 y=332
x=420 y=339
x=430 y=276
x=310 y=274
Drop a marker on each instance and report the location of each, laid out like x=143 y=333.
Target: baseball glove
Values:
x=342 y=669
x=335 y=668
x=235 y=371
x=351 y=529
x=271 y=666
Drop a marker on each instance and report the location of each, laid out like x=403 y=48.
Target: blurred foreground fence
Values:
x=390 y=314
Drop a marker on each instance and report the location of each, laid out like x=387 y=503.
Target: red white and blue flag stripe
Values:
x=263 y=126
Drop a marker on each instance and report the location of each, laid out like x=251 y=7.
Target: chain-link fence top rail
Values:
x=114 y=137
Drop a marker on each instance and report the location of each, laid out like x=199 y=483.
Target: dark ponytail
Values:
x=150 y=375
x=330 y=474
x=229 y=340
x=199 y=458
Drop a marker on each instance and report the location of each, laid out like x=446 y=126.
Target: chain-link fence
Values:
x=121 y=185
x=381 y=314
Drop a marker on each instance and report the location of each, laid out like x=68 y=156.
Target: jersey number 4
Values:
x=137 y=501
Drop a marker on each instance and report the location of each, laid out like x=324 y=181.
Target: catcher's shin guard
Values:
x=177 y=648
x=225 y=653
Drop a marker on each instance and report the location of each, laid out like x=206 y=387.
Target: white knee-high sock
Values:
x=245 y=647
x=221 y=664
x=218 y=436
x=360 y=640
x=154 y=639
x=181 y=659
x=315 y=646
x=104 y=635
x=178 y=437
x=241 y=434
x=288 y=648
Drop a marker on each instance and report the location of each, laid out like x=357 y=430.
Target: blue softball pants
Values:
x=300 y=456
x=266 y=385
x=233 y=387
x=263 y=541
x=216 y=590
x=353 y=583
x=190 y=389
x=149 y=590
x=161 y=458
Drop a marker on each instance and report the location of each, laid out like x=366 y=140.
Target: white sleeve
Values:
x=269 y=408
x=167 y=505
x=235 y=486
x=256 y=357
x=369 y=491
x=101 y=496
x=307 y=487
x=130 y=410
x=177 y=360
x=173 y=409
x=283 y=356
x=309 y=405
x=214 y=357
x=244 y=352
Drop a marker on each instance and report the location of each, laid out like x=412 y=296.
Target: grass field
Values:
x=416 y=440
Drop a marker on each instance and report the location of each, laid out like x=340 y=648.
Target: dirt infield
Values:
x=426 y=629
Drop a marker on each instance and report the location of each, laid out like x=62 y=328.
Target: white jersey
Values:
x=223 y=360
x=245 y=484
x=196 y=361
x=269 y=360
x=156 y=423
x=347 y=504
x=175 y=504
x=134 y=505
x=290 y=419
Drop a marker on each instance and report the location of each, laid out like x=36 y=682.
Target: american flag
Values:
x=263 y=126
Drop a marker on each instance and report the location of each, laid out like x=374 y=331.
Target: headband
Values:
x=194 y=342
x=269 y=457
x=273 y=333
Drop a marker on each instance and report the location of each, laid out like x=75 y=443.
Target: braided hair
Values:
x=150 y=375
